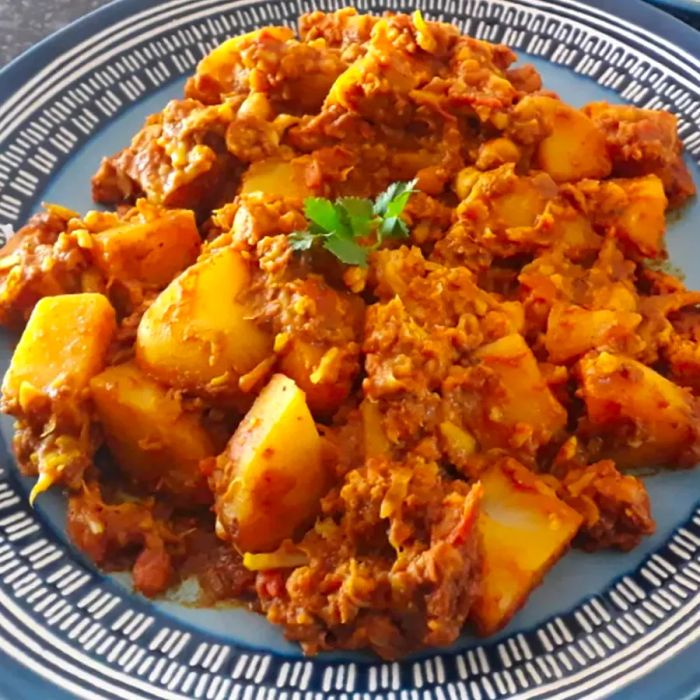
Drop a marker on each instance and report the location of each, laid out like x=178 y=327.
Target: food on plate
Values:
x=269 y=481
x=196 y=334
x=524 y=529
x=377 y=330
x=46 y=388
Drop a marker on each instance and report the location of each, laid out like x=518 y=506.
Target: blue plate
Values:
x=600 y=624
x=684 y=5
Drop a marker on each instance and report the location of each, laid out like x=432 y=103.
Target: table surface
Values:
x=24 y=22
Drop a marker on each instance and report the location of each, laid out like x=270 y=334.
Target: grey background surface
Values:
x=24 y=22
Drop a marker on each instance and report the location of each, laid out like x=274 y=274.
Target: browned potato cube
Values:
x=197 y=334
x=646 y=419
x=572 y=330
x=575 y=148
x=270 y=479
x=218 y=65
x=152 y=252
x=642 y=222
x=521 y=409
x=153 y=439
x=62 y=347
x=275 y=176
x=525 y=529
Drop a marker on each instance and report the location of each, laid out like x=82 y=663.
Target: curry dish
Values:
x=373 y=329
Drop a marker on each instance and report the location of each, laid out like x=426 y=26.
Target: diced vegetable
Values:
x=301 y=361
x=520 y=205
x=575 y=148
x=642 y=223
x=459 y=443
x=153 y=439
x=277 y=177
x=525 y=529
x=271 y=477
x=218 y=64
x=152 y=252
x=197 y=334
x=62 y=347
x=522 y=408
x=501 y=199
x=574 y=233
x=648 y=420
x=572 y=330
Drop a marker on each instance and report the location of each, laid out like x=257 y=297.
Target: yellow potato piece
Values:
x=197 y=335
x=575 y=148
x=346 y=83
x=152 y=252
x=621 y=393
x=218 y=63
x=154 y=441
x=525 y=529
x=460 y=443
x=524 y=399
x=643 y=221
x=275 y=176
x=573 y=331
x=520 y=206
x=271 y=474
x=63 y=345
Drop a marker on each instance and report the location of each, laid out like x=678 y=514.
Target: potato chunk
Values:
x=521 y=409
x=270 y=479
x=572 y=330
x=574 y=148
x=63 y=346
x=274 y=176
x=525 y=529
x=152 y=252
x=197 y=335
x=304 y=362
x=219 y=63
x=642 y=222
x=153 y=439
x=646 y=419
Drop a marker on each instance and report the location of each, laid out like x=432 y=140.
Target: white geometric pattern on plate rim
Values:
x=110 y=634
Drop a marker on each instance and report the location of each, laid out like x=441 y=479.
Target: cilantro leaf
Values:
x=356 y=206
x=393 y=227
x=352 y=227
x=322 y=213
x=346 y=250
x=357 y=213
x=393 y=200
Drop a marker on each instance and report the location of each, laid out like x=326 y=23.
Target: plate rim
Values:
x=691 y=6
x=658 y=22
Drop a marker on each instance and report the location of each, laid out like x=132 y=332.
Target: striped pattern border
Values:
x=67 y=625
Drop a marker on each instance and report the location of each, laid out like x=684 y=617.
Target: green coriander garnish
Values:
x=352 y=227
